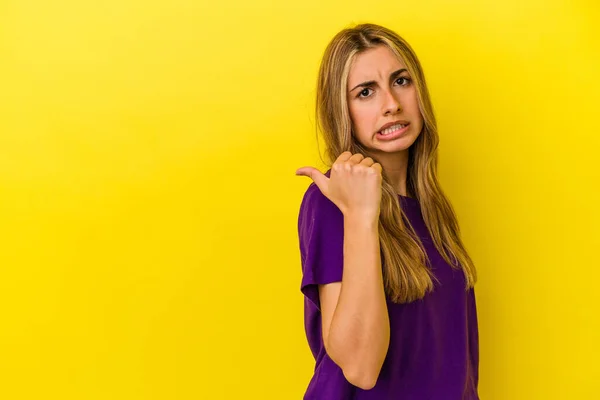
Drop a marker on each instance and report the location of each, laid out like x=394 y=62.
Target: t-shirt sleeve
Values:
x=321 y=236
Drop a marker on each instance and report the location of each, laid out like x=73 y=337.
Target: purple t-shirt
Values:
x=433 y=352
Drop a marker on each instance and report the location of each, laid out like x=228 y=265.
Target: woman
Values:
x=390 y=308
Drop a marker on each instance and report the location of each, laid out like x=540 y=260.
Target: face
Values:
x=380 y=93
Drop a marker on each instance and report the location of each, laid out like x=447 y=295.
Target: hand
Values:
x=354 y=185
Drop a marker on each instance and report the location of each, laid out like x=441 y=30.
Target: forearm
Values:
x=359 y=334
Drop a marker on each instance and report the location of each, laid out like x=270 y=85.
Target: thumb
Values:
x=320 y=180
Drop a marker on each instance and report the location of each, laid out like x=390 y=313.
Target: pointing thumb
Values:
x=320 y=180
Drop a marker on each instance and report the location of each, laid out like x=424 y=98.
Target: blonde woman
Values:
x=388 y=285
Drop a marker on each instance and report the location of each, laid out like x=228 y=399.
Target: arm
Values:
x=355 y=320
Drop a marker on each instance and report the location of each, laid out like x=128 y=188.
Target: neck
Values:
x=395 y=166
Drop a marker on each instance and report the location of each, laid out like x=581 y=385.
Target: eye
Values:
x=362 y=92
x=365 y=92
x=408 y=80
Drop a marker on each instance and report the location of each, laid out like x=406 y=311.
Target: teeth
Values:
x=392 y=129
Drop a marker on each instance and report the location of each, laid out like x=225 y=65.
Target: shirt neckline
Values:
x=408 y=199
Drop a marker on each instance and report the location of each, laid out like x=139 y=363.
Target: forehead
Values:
x=374 y=64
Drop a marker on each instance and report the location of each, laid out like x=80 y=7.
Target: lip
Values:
x=400 y=121
x=395 y=135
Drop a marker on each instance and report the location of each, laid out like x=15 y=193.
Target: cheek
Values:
x=414 y=101
x=362 y=117
x=361 y=122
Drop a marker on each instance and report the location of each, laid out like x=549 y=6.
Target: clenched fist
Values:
x=354 y=184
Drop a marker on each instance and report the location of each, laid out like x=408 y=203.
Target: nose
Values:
x=391 y=104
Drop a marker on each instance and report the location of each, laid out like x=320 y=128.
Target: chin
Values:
x=397 y=145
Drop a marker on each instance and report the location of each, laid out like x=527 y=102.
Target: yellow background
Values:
x=148 y=202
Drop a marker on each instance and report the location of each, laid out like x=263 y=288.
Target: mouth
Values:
x=391 y=129
x=392 y=133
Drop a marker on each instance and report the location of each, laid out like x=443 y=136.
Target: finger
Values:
x=377 y=166
x=368 y=161
x=344 y=156
x=356 y=158
x=318 y=178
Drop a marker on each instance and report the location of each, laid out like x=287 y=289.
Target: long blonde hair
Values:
x=406 y=275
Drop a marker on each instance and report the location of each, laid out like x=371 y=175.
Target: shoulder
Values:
x=313 y=197
x=316 y=204
x=317 y=208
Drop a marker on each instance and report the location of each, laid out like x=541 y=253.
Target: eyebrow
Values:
x=393 y=75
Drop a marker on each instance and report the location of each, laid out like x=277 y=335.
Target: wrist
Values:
x=364 y=218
